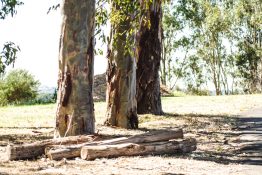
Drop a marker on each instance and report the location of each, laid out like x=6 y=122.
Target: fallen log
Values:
x=60 y=152
x=33 y=150
x=132 y=149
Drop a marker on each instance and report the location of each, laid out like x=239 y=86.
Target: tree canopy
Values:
x=218 y=42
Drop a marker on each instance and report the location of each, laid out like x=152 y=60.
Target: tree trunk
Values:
x=163 y=62
x=149 y=46
x=75 y=110
x=132 y=149
x=121 y=78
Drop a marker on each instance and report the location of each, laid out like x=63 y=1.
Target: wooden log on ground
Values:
x=33 y=150
x=60 y=152
x=132 y=149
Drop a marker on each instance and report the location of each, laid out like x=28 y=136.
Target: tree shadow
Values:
x=220 y=138
x=242 y=136
x=19 y=135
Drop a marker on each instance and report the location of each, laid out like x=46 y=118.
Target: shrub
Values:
x=18 y=87
x=198 y=92
x=3 y=100
x=44 y=98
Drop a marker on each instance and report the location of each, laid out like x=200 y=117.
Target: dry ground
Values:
x=211 y=120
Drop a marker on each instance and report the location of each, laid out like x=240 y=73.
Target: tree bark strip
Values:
x=75 y=110
x=131 y=149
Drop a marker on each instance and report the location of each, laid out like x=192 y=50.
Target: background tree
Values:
x=209 y=41
x=172 y=26
x=75 y=110
x=248 y=36
x=149 y=46
x=8 y=55
x=18 y=87
x=224 y=45
x=121 y=71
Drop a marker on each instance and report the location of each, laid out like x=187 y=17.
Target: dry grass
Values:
x=44 y=115
x=212 y=105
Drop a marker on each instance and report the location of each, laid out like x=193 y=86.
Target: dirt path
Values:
x=250 y=136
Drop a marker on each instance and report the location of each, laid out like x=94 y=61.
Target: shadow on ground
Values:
x=224 y=139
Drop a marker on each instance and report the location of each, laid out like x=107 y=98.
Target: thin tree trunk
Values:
x=149 y=56
x=121 y=79
x=75 y=110
x=163 y=65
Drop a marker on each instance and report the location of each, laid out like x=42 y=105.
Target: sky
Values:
x=37 y=33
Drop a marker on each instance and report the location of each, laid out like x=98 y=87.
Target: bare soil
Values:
x=220 y=129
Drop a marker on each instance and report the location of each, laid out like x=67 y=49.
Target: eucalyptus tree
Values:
x=148 y=50
x=248 y=33
x=177 y=38
x=210 y=21
x=75 y=107
x=121 y=71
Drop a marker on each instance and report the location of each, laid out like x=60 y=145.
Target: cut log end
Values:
x=59 y=154
x=23 y=152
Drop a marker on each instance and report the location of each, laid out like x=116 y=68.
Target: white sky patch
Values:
x=37 y=33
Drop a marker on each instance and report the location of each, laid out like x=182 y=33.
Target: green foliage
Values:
x=173 y=24
x=3 y=98
x=124 y=19
x=207 y=34
x=9 y=51
x=18 y=87
x=8 y=7
x=8 y=55
x=177 y=93
x=247 y=62
x=45 y=98
x=248 y=36
x=191 y=90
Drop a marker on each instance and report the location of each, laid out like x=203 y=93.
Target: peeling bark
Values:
x=149 y=48
x=66 y=88
x=121 y=80
x=75 y=108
